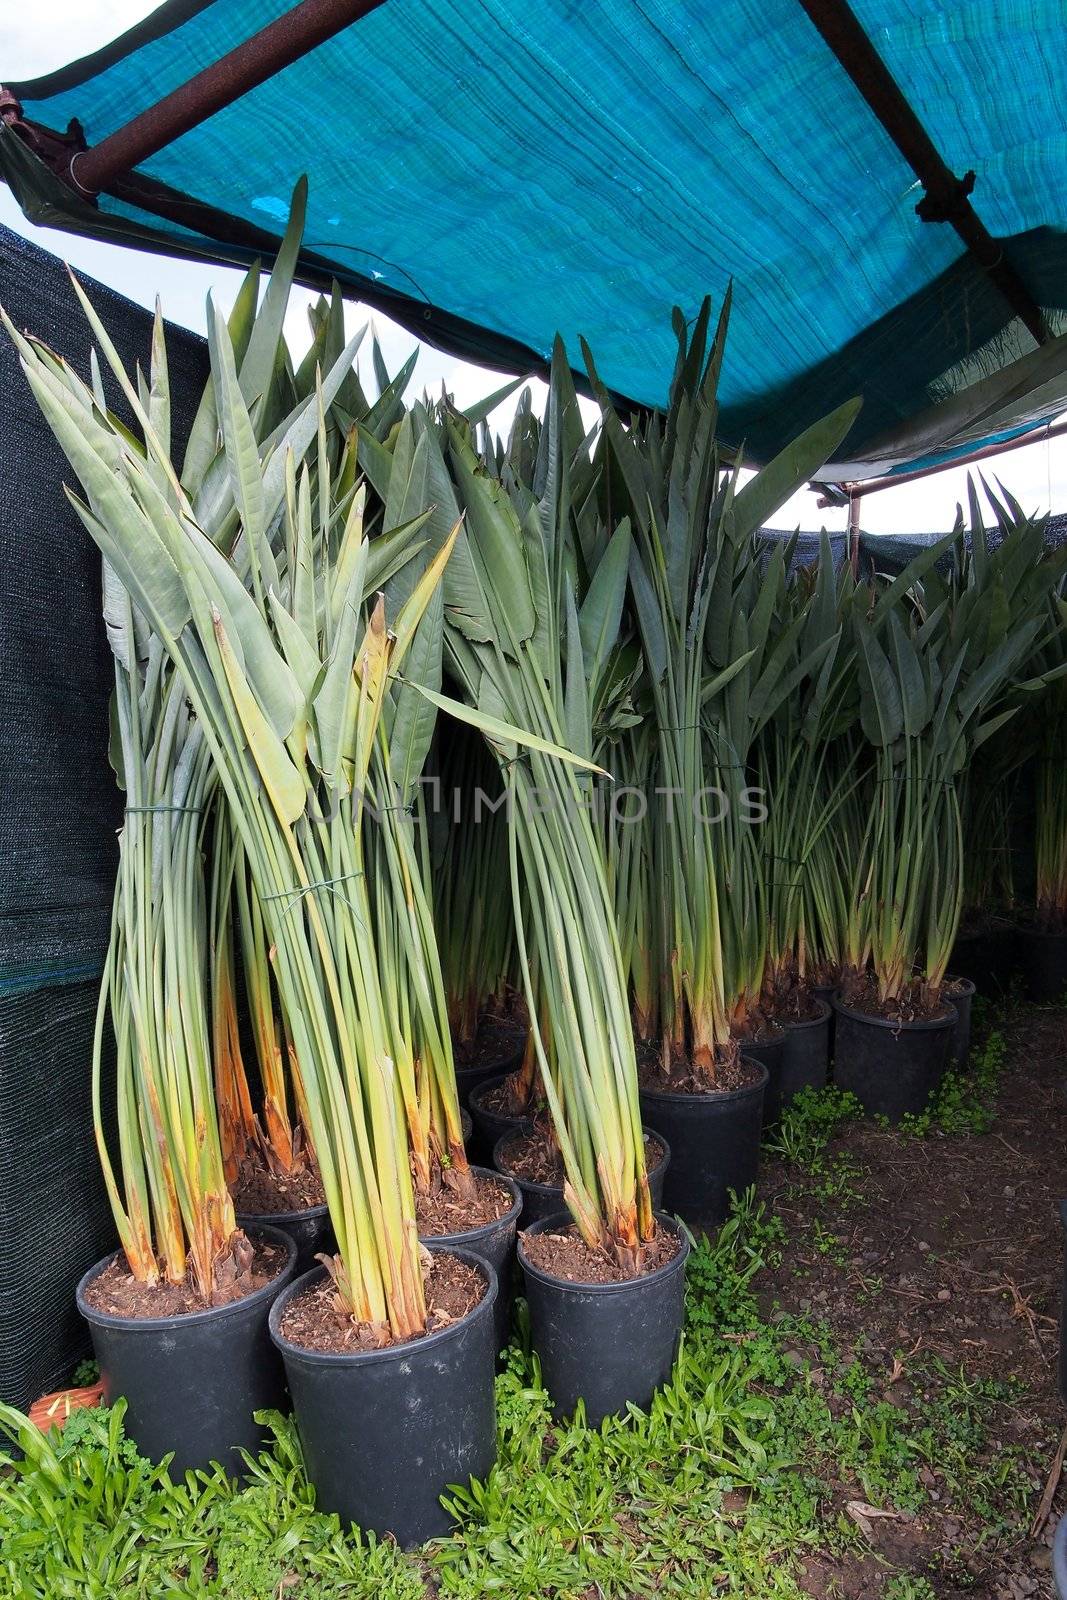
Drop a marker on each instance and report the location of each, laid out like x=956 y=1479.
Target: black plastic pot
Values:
x=806 y=1058
x=959 y=1048
x=495 y=1243
x=191 y=1383
x=770 y=1052
x=605 y=1343
x=491 y=1126
x=891 y=1067
x=510 y=1057
x=310 y=1230
x=714 y=1140
x=466 y=1125
x=541 y=1200
x=1045 y=966
x=385 y=1432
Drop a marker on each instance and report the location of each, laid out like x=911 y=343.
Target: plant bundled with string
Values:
x=533 y=602
x=722 y=651
x=945 y=657
x=258 y=584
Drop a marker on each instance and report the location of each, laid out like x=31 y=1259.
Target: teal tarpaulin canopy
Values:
x=490 y=172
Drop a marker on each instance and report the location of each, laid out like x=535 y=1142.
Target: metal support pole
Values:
x=245 y=67
x=946 y=197
x=854 y=531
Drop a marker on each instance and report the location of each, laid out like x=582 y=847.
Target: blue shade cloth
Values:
x=491 y=172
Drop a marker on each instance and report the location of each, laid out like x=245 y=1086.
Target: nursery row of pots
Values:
x=194 y=1382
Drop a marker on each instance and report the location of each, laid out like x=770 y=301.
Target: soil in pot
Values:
x=387 y=1428
x=293 y=1201
x=493 y=1110
x=892 y=1063
x=497 y=1047
x=714 y=1135
x=602 y=1337
x=192 y=1376
x=486 y=1224
x=532 y=1159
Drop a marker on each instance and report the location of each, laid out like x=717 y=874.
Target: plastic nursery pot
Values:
x=714 y=1140
x=770 y=1051
x=546 y=1199
x=605 y=1343
x=959 y=1048
x=386 y=1432
x=891 y=1067
x=495 y=1243
x=1045 y=966
x=192 y=1382
x=512 y=1048
x=492 y=1126
x=466 y=1125
x=806 y=1057
x=310 y=1230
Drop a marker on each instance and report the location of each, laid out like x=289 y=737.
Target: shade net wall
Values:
x=57 y=829
x=491 y=175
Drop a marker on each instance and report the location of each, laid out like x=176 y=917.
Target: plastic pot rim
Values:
x=917 y=1025
x=470 y=1236
x=719 y=1096
x=557 y=1188
x=825 y=1013
x=508 y=1061
x=267 y=1219
x=773 y=1030
x=392 y=1352
x=564 y=1219
x=491 y=1083
x=968 y=989
x=188 y=1319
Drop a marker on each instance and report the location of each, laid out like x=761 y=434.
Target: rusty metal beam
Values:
x=946 y=198
x=245 y=67
x=893 y=480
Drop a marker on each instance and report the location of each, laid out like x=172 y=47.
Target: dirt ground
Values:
x=949 y=1249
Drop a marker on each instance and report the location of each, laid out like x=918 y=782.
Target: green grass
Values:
x=741 y=1466
x=720 y=1488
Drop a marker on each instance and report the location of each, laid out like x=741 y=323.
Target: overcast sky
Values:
x=36 y=39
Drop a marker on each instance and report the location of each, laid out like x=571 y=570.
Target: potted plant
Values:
x=719 y=654
x=178 y=1316
x=535 y=677
x=941 y=659
x=286 y=667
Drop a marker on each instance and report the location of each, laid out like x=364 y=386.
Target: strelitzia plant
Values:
x=944 y=665
x=720 y=652
x=168 y=1191
x=267 y=617
x=532 y=618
